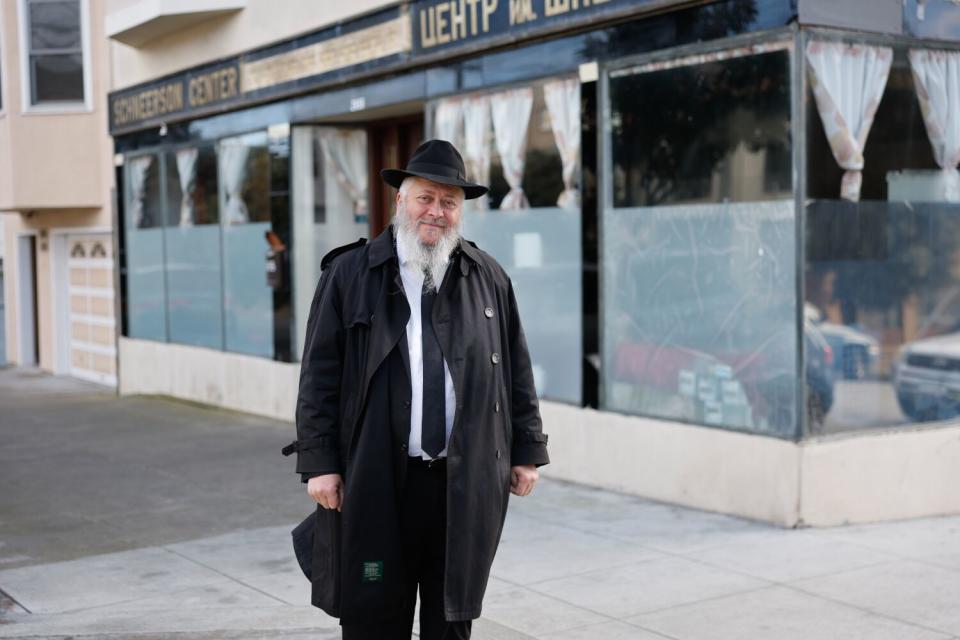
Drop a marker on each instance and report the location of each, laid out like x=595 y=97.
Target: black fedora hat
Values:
x=437 y=161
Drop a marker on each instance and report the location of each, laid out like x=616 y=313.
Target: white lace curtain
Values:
x=187 y=170
x=848 y=82
x=476 y=145
x=936 y=75
x=448 y=121
x=233 y=171
x=511 y=117
x=345 y=159
x=137 y=169
x=563 y=103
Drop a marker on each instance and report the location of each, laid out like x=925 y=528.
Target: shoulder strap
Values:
x=327 y=259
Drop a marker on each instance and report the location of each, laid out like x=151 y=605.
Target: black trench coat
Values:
x=353 y=418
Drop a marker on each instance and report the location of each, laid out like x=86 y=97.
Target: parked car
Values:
x=927 y=378
x=855 y=352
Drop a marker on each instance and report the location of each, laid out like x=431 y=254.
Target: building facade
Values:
x=56 y=188
x=729 y=224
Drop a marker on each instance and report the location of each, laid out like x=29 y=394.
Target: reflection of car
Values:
x=854 y=352
x=927 y=378
x=819 y=374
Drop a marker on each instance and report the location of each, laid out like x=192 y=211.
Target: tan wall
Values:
x=261 y=22
x=63 y=160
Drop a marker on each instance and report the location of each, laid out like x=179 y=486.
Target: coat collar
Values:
x=383 y=249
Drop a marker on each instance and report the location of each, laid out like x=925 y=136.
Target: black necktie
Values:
x=433 y=428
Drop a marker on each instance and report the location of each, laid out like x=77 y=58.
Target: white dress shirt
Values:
x=412 y=278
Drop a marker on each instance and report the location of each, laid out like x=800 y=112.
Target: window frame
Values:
x=26 y=78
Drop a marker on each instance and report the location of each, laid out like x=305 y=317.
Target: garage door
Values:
x=92 y=319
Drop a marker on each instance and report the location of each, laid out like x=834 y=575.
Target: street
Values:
x=143 y=517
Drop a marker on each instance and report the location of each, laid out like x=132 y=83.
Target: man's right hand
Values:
x=327 y=490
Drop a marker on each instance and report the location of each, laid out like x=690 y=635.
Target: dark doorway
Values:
x=392 y=142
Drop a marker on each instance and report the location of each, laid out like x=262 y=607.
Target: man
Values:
x=417 y=414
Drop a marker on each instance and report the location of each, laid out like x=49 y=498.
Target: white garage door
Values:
x=92 y=318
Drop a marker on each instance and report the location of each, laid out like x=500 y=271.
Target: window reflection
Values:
x=689 y=131
x=146 y=290
x=699 y=309
x=883 y=274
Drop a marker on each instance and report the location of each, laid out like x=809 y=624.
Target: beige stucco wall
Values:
x=56 y=172
x=262 y=22
x=54 y=159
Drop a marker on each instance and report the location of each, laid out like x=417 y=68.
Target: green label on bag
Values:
x=373 y=571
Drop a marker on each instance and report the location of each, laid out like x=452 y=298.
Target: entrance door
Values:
x=392 y=142
x=27 y=300
x=92 y=344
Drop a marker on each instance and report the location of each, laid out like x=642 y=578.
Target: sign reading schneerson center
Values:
x=401 y=37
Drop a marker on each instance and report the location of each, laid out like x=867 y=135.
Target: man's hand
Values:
x=522 y=479
x=327 y=490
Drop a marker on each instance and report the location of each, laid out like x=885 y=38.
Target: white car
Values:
x=927 y=378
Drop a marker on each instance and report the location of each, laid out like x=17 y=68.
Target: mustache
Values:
x=436 y=222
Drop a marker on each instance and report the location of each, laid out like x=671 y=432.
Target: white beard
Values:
x=430 y=258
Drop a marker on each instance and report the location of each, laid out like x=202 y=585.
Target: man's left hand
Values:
x=522 y=479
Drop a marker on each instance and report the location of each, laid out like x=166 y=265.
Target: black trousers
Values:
x=424 y=541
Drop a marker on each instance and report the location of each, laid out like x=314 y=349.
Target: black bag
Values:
x=303 y=543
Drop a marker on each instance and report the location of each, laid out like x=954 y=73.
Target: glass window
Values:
x=882 y=270
x=192 y=236
x=55 y=51
x=244 y=170
x=525 y=144
x=330 y=204
x=698 y=293
x=146 y=288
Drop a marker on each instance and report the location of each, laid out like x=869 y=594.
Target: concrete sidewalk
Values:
x=149 y=518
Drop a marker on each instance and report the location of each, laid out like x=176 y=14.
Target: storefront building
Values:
x=731 y=226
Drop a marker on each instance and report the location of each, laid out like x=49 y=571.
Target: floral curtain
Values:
x=511 y=117
x=233 y=171
x=848 y=82
x=345 y=159
x=936 y=75
x=138 y=168
x=187 y=170
x=476 y=145
x=563 y=103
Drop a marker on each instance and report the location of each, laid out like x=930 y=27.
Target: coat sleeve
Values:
x=529 y=441
x=318 y=400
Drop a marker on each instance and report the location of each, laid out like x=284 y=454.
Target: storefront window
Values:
x=245 y=220
x=882 y=272
x=525 y=144
x=698 y=302
x=331 y=205
x=192 y=236
x=146 y=290
x=199 y=232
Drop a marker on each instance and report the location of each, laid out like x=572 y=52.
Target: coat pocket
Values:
x=325 y=573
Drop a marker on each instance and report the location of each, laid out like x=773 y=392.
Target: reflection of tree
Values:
x=882 y=253
x=694 y=25
x=256 y=186
x=672 y=129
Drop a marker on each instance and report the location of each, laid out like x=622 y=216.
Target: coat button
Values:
x=498 y=454
x=488 y=312
x=403 y=447
x=406 y=404
x=496 y=407
x=495 y=358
